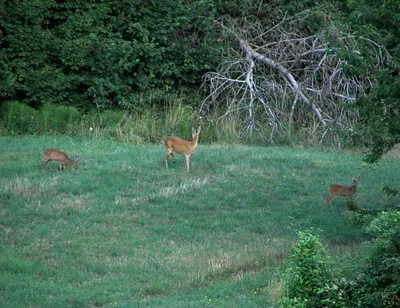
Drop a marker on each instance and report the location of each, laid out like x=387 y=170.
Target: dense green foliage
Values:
x=108 y=54
x=374 y=278
x=308 y=273
x=380 y=279
x=20 y=119
x=102 y=54
x=380 y=110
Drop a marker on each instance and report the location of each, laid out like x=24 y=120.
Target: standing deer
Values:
x=342 y=191
x=186 y=148
x=60 y=157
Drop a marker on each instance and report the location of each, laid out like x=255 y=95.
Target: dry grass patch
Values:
x=24 y=187
x=275 y=290
x=207 y=262
x=164 y=191
x=393 y=153
x=79 y=203
x=130 y=201
x=182 y=188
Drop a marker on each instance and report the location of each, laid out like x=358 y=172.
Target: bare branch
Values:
x=293 y=83
x=283 y=78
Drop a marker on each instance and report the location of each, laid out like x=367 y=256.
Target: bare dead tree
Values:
x=294 y=78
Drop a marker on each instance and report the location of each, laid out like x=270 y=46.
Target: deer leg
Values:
x=187 y=162
x=172 y=154
x=168 y=153
x=329 y=200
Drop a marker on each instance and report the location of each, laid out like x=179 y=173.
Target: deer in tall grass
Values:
x=60 y=157
x=336 y=190
x=186 y=148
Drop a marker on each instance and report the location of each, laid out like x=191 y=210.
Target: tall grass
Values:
x=20 y=119
x=175 y=116
x=123 y=230
x=154 y=125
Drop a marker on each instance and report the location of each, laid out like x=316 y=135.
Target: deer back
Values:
x=55 y=154
x=182 y=146
x=345 y=191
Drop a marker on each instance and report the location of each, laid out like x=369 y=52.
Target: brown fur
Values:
x=342 y=191
x=60 y=157
x=186 y=148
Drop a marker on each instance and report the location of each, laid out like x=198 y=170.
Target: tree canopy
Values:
x=380 y=109
x=102 y=53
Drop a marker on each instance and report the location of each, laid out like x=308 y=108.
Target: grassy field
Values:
x=123 y=230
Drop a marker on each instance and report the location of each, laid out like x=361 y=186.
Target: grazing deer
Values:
x=186 y=148
x=342 y=191
x=60 y=157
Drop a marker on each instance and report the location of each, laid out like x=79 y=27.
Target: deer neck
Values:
x=195 y=139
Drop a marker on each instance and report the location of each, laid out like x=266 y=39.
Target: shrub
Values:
x=59 y=119
x=374 y=279
x=19 y=118
x=379 y=284
x=307 y=273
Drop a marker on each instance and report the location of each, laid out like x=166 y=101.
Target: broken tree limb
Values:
x=252 y=54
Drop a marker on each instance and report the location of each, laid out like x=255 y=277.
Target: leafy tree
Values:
x=379 y=282
x=375 y=20
x=103 y=54
x=380 y=110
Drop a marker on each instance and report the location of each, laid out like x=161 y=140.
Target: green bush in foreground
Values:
x=379 y=284
x=308 y=273
x=375 y=282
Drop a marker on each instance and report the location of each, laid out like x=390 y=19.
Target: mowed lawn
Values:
x=123 y=230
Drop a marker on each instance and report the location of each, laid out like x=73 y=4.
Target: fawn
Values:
x=186 y=148
x=342 y=191
x=60 y=157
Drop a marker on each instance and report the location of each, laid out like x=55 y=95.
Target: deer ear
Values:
x=76 y=159
x=199 y=130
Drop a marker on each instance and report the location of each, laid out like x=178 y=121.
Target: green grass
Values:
x=123 y=230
